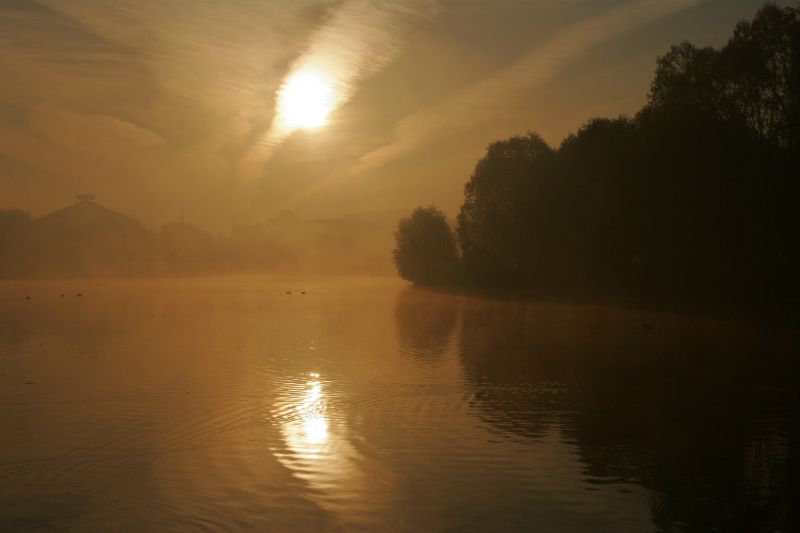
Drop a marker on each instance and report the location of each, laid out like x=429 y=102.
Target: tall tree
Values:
x=497 y=225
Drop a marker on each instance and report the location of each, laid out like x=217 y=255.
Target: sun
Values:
x=305 y=101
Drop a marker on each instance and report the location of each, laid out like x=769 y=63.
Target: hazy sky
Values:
x=163 y=107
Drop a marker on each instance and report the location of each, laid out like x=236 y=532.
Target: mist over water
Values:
x=228 y=404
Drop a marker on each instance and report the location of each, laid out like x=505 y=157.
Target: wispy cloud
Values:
x=151 y=101
x=359 y=39
x=481 y=103
x=162 y=94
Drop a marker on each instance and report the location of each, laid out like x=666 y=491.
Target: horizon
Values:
x=391 y=215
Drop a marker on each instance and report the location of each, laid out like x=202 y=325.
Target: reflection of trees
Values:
x=698 y=411
x=425 y=321
x=519 y=385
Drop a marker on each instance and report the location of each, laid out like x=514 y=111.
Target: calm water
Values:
x=226 y=404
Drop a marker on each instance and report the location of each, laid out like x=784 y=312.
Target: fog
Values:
x=87 y=239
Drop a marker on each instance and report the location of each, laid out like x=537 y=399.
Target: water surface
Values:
x=227 y=404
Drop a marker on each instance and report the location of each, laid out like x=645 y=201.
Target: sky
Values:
x=171 y=109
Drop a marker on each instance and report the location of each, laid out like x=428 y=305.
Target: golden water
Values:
x=227 y=404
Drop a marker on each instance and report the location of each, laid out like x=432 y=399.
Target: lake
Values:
x=366 y=404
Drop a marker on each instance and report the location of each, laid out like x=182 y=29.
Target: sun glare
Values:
x=305 y=101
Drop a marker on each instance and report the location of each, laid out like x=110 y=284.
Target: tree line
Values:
x=693 y=198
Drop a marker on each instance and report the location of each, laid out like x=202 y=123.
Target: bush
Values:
x=426 y=251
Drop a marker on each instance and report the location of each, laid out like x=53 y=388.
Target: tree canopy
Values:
x=692 y=198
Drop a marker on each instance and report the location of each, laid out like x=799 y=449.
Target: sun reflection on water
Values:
x=316 y=444
x=316 y=430
x=307 y=431
x=312 y=409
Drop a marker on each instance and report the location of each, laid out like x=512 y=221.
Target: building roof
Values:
x=88 y=217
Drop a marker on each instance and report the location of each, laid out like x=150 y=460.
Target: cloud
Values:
x=162 y=94
x=359 y=39
x=225 y=58
x=157 y=102
x=481 y=103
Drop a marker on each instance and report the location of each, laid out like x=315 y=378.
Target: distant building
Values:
x=87 y=238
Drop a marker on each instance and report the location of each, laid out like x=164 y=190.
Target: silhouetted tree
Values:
x=693 y=199
x=721 y=129
x=597 y=207
x=753 y=81
x=426 y=250
x=761 y=64
x=498 y=226
x=688 y=81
